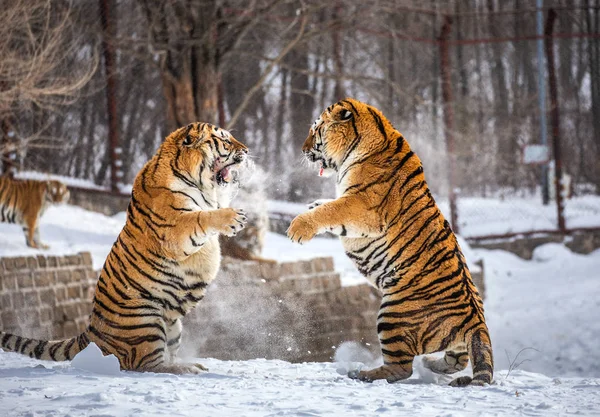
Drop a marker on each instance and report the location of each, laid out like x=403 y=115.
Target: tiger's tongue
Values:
x=225 y=174
x=321 y=170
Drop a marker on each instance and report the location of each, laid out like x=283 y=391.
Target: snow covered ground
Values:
x=275 y=388
x=542 y=314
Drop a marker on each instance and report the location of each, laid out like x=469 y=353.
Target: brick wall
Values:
x=295 y=311
x=105 y=202
x=46 y=297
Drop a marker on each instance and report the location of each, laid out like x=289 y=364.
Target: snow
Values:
x=550 y=304
x=542 y=314
x=91 y=359
x=271 y=388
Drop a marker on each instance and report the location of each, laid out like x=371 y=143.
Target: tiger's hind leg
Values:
x=391 y=372
x=156 y=342
x=480 y=352
x=167 y=363
x=397 y=349
x=174 y=330
x=454 y=360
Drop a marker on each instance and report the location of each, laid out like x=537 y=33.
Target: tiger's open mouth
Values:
x=319 y=160
x=230 y=172
x=227 y=175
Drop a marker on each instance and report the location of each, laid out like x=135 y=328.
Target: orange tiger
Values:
x=24 y=201
x=392 y=229
x=164 y=258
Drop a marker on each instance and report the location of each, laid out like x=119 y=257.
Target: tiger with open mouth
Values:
x=164 y=258
x=394 y=232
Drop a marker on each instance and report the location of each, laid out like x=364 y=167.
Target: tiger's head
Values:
x=206 y=153
x=344 y=130
x=56 y=192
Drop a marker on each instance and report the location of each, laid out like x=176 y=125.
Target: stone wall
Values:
x=46 y=297
x=295 y=311
x=105 y=202
x=580 y=241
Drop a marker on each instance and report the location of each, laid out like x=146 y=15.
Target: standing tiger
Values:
x=24 y=201
x=162 y=261
x=392 y=229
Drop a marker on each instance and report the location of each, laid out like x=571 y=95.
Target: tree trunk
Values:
x=187 y=36
x=591 y=18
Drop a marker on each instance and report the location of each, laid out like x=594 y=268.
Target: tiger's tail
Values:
x=56 y=350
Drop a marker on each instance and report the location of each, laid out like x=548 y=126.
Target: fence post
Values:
x=542 y=95
x=554 y=118
x=115 y=152
x=448 y=116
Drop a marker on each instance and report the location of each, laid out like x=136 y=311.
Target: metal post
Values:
x=542 y=96
x=448 y=117
x=555 y=119
x=116 y=172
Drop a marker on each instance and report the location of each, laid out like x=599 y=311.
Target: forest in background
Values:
x=265 y=69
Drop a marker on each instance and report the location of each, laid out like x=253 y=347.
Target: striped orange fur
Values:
x=394 y=232
x=162 y=261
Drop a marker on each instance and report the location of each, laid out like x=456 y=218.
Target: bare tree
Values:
x=36 y=39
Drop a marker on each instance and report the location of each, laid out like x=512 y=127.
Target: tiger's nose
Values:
x=240 y=155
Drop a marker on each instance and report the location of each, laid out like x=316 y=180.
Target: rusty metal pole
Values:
x=554 y=118
x=448 y=117
x=108 y=50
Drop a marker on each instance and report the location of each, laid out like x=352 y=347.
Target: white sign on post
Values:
x=535 y=154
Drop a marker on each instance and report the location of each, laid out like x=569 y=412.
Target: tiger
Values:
x=23 y=202
x=392 y=229
x=165 y=256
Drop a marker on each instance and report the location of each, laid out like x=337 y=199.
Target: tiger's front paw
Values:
x=231 y=221
x=302 y=229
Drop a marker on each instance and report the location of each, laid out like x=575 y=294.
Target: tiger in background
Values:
x=23 y=202
x=393 y=231
x=164 y=258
